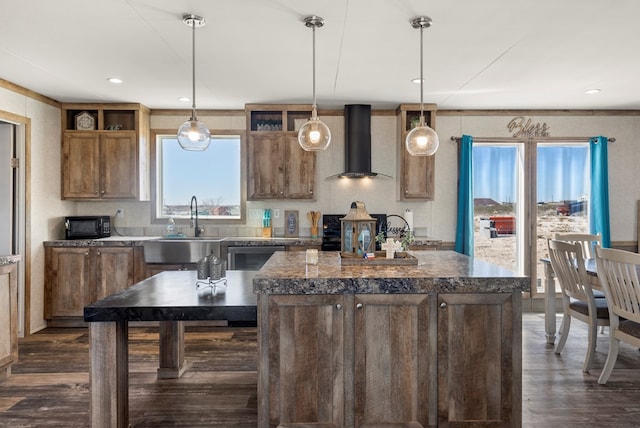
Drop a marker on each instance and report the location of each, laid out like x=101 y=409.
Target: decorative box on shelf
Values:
x=401 y=259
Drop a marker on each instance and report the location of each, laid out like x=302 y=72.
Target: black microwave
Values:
x=87 y=227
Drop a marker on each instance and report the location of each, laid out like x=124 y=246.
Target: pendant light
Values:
x=193 y=134
x=314 y=135
x=422 y=140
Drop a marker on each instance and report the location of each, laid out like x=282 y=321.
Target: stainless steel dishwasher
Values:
x=250 y=257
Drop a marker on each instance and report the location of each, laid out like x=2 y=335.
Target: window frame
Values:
x=153 y=166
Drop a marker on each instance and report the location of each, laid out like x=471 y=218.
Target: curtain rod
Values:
x=520 y=140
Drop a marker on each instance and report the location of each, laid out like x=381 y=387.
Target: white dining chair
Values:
x=587 y=241
x=618 y=274
x=578 y=300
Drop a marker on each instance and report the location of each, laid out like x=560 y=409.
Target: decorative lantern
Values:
x=358 y=232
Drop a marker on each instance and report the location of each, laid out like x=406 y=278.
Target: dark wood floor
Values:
x=49 y=386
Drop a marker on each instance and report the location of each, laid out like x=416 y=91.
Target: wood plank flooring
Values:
x=49 y=387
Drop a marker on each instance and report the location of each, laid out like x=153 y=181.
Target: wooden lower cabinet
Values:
x=305 y=377
x=78 y=276
x=479 y=360
x=8 y=318
x=393 y=360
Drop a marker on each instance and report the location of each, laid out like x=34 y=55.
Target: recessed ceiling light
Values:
x=184 y=99
x=592 y=91
x=416 y=80
x=114 y=80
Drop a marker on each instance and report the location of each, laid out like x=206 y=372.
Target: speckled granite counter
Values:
x=138 y=241
x=9 y=260
x=436 y=272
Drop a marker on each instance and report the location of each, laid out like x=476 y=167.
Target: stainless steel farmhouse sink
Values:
x=180 y=250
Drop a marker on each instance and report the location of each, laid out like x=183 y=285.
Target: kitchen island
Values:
x=432 y=344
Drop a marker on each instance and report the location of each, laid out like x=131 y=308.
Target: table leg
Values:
x=172 y=362
x=549 y=304
x=109 y=376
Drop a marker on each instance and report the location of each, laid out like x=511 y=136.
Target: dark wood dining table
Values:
x=172 y=298
x=550 y=294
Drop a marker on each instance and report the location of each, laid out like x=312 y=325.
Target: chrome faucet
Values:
x=194 y=218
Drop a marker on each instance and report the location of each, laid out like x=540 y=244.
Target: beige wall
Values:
x=44 y=205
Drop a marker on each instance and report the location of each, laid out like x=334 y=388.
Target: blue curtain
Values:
x=599 y=200
x=464 y=227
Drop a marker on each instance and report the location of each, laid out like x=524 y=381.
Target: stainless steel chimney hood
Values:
x=357 y=143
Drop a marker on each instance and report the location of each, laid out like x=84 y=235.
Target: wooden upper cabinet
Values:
x=105 y=151
x=278 y=168
x=416 y=173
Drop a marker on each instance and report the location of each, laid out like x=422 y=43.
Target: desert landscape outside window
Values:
x=549 y=180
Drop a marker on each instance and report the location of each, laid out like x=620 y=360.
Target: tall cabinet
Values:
x=278 y=168
x=105 y=151
x=416 y=173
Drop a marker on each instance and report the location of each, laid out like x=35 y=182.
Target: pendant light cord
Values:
x=421 y=78
x=314 y=112
x=193 y=68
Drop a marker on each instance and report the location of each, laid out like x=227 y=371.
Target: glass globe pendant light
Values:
x=193 y=134
x=314 y=135
x=422 y=140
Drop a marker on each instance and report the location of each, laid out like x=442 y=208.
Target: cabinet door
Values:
x=68 y=276
x=417 y=177
x=266 y=166
x=114 y=271
x=300 y=170
x=394 y=360
x=118 y=166
x=304 y=383
x=479 y=360
x=80 y=165
x=8 y=316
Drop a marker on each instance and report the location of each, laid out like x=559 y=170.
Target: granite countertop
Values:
x=9 y=260
x=138 y=241
x=436 y=272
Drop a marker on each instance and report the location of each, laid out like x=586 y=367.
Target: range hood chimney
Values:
x=357 y=141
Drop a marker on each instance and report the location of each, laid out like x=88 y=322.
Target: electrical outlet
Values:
x=276 y=213
x=120 y=212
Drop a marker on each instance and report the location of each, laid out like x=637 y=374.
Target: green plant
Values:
x=406 y=238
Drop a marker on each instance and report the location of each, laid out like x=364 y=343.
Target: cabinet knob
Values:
x=86 y=254
x=443 y=305
x=102 y=192
x=359 y=306
x=338 y=306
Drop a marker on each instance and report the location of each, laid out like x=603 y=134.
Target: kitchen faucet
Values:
x=194 y=220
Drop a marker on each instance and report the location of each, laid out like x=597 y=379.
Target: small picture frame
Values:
x=291 y=224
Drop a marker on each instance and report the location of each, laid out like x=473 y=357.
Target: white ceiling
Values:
x=490 y=54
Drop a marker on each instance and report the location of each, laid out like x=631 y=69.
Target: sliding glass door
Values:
x=524 y=192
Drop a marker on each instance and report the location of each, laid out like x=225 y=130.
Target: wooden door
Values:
x=68 y=275
x=300 y=170
x=394 y=360
x=80 y=165
x=118 y=163
x=266 y=166
x=479 y=360
x=305 y=381
x=114 y=271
